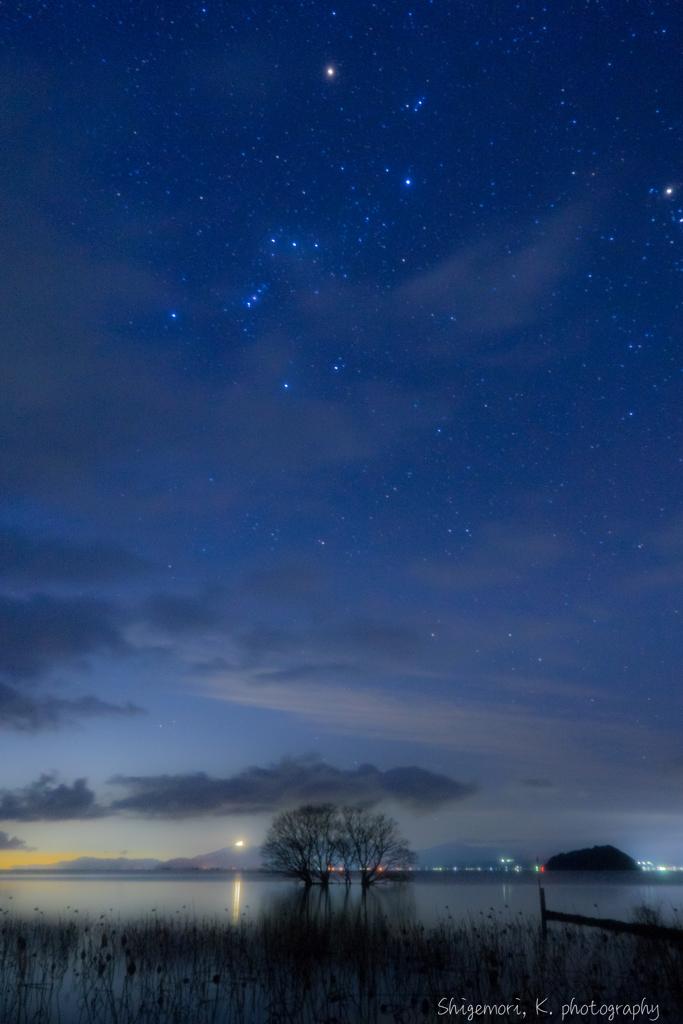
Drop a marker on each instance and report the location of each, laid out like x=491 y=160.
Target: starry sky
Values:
x=342 y=379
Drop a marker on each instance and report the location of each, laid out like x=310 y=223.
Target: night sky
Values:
x=342 y=381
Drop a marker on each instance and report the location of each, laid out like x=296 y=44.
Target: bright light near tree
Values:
x=240 y=842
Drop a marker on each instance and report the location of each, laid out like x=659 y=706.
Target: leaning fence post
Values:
x=544 y=923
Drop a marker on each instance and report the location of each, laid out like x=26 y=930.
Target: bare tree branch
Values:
x=305 y=844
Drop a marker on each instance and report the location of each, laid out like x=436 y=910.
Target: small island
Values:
x=597 y=858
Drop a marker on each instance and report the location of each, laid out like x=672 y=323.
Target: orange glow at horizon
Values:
x=25 y=858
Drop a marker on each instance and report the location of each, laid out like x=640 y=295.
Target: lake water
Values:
x=428 y=897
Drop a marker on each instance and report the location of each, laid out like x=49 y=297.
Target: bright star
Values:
x=330 y=72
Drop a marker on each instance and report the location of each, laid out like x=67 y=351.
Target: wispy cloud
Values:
x=35 y=561
x=29 y=712
x=500 y=728
x=41 y=634
x=44 y=631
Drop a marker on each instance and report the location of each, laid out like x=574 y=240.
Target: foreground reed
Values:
x=291 y=966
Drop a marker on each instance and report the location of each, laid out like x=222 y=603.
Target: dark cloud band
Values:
x=44 y=801
x=13 y=844
x=293 y=781
x=254 y=791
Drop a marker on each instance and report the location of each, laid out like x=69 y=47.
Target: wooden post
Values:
x=544 y=922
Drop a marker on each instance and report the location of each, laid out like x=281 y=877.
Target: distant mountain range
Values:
x=225 y=860
x=445 y=855
x=94 y=864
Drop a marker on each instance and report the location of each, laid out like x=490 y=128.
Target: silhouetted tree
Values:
x=345 y=849
x=306 y=843
x=373 y=844
x=303 y=843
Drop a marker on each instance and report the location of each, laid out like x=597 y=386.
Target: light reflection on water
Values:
x=237 y=888
x=425 y=898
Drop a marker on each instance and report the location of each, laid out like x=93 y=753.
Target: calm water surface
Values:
x=428 y=897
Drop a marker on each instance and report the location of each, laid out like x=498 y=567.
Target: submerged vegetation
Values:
x=297 y=966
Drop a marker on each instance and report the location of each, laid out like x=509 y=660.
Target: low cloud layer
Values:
x=45 y=801
x=13 y=844
x=293 y=781
x=256 y=790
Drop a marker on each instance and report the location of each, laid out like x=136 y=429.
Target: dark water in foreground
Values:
x=165 y=950
x=429 y=897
